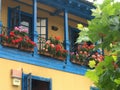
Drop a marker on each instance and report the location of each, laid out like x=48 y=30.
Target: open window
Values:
x=30 y=82
x=16 y=17
x=73 y=35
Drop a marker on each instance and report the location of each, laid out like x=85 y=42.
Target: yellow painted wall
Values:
x=60 y=80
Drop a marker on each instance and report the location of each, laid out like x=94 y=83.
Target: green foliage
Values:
x=106 y=27
x=83 y=35
x=105 y=75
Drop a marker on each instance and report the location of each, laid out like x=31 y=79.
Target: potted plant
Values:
x=10 y=40
x=20 y=31
x=27 y=44
x=53 y=48
x=18 y=38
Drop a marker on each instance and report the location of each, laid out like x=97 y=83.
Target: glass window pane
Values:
x=25 y=23
x=38 y=30
x=43 y=36
x=43 y=30
x=38 y=22
x=43 y=22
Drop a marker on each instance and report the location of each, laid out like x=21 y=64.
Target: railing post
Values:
x=35 y=34
x=0 y=10
x=0 y=19
x=66 y=35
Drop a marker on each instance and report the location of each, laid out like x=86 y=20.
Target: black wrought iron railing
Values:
x=41 y=43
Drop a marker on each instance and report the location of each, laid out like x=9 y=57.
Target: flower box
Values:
x=50 y=55
x=77 y=62
x=45 y=54
x=54 y=48
x=27 y=49
x=85 y=54
x=60 y=58
x=10 y=45
x=18 y=38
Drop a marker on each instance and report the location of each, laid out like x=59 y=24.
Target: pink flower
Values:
x=48 y=42
x=93 y=56
x=16 y=28
x=52 y=45
x=20 y=27
x=25 y=30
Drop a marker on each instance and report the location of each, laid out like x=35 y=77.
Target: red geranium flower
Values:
x=12 y=34
x=58 y=47
x=57 y=37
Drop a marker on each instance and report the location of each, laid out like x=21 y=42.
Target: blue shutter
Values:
x=27 y=81
x=14 y=17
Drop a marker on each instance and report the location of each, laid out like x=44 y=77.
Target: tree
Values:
x=106 y=27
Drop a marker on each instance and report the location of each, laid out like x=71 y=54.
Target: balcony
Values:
x=16 y=52
x=48 y=53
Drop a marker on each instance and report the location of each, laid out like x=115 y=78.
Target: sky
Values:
x=100 y=1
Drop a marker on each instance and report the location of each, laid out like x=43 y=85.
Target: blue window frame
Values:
x=30 y=82
x=16 y=17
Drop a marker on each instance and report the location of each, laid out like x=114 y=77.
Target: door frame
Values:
x=39 y=78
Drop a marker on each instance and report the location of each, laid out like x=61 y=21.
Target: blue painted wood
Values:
x=66 y=33
x=51 y=13
x=23 y=81
x=27 y=78
x=9 y=19
x=81 y=11
x=29 y=81
x=35 y=24
x=93 y=88
x=39 y=60
x=26 y=81
x=0 y=10
x=0 y=29
x=71 y=7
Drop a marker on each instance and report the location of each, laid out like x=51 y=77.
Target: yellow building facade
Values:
x=45 y=75
x=60 y=80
